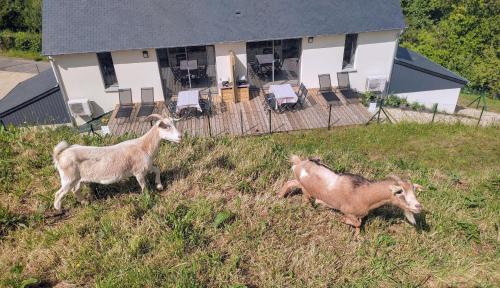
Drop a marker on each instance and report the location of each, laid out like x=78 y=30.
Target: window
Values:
x=351 y=43
x=107 y=69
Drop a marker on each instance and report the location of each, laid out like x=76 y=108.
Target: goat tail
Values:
x=295 y=159
x=63 y=145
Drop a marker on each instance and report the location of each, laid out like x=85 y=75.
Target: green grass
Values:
x=466 y=98
x=30 y=55
x=218 y=223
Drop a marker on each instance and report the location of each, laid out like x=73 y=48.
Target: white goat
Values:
x=110 y=164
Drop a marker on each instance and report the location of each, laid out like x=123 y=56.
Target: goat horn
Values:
x=153 y=117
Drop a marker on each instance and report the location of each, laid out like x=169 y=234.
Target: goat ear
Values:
x=153 y=117
x=418 y=187
x=163 y=125
x=395 y=189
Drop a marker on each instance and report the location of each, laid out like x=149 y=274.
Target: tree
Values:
x=11 y=17
x=32 y=15
x=462 y=35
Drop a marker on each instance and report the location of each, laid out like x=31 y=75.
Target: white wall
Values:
x=323 y=56
x=446 y=98
x=135 y=72
x=82 y=79
x=374 y=57
x=222 y=60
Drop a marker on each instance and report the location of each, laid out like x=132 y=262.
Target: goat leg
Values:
x=288 y=188
x=65 y=188
x=78 y=194
x=157 y=172
x=306 y=197
x=353 y=221
x=142 y=182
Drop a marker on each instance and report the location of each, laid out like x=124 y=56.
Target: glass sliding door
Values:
x=185 y=68
x=260 y=62
x=288 y=60
x=274 y=62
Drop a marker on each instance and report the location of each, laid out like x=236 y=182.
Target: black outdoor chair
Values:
x=147 y=102
x=269 y=101
x=344 y=87
x=126 y=105
x=302 y=94
x=207 y=104
x=325 y=88
x=177 y=74
x=172 y=108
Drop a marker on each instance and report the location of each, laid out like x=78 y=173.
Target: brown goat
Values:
x=353 y=195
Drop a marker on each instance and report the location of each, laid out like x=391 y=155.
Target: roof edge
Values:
x=29 y=102
x=48 y=54
x=433 y=73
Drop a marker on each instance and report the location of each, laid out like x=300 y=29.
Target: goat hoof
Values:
x=159 y=187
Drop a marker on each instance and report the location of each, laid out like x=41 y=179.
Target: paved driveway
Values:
x=14 y=70
x=22 y=65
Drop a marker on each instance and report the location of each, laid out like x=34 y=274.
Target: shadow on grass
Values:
x=101 y=191
x=390 y=214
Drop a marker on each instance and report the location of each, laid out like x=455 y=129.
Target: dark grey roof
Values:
x=110 y=25
x=414 y=60
x=28 y=90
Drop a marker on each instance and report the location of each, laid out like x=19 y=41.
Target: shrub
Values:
x=392 y=101
x=417 y=106
x=368 y=97
x=24 y=41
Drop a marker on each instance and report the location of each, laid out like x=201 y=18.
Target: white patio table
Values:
x=283 y=94
x=265 y=59
x=188 y=99
x=189 y=65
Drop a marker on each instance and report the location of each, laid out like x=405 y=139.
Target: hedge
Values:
x=24 y=41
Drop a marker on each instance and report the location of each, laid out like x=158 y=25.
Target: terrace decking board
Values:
x=226 y=118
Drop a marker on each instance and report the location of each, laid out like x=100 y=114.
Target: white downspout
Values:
x=392 y=62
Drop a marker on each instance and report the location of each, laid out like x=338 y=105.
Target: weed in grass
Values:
x=223 y=218
x=17 y=279
x=245 y=187
x=184 y=235
x=470 y=231
x=140 y=246
x=143 y=204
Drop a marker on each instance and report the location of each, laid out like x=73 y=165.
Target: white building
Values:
x=418 y=79
x=97 y=47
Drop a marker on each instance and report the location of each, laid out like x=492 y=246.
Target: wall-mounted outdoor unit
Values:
x=375 y=84
x=80 y=107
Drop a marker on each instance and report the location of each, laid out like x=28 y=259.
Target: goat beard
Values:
x=410 y=217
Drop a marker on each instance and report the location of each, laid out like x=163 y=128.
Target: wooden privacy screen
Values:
x=228 y=93
x=234 y=93
x=232 y=63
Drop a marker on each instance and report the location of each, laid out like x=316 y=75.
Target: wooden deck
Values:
x=251 y=118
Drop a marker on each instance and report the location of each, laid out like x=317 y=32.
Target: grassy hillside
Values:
x=219 y=223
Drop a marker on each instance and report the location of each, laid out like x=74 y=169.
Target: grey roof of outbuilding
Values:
x=419 y=62
x=110 y=25
x=28 y=89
